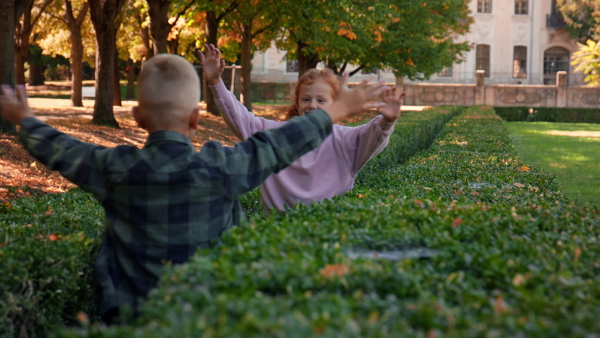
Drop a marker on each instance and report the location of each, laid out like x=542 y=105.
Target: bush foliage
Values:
x=545 y=114
x=461 y=239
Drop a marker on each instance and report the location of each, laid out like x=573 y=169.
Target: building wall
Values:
x=502 y=29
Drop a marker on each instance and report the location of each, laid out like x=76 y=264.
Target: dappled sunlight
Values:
x=578 y=133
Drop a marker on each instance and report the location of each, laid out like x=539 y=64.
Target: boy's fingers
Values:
x=8 y=92
x=22 y=94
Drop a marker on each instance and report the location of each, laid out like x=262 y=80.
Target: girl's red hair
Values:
x=309 y=78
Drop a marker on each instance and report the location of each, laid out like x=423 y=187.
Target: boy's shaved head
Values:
x=168 y=90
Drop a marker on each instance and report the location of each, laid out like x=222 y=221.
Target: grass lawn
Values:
x=571 y=151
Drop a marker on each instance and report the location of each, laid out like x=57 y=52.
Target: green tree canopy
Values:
x=582 y=18
x=587 y=60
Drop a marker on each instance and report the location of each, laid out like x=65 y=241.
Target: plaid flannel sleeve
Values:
x=248 y=164
x=77 y=161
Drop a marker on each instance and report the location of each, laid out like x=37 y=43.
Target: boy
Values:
x=166 y=200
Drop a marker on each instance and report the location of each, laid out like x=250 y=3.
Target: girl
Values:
x=325 y=172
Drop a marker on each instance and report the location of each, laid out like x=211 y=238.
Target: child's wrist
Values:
x=213 y=82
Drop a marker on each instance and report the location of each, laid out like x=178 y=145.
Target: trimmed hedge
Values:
x=48 y=243
x=477 y=244
x=544 y=114
x=46 y=254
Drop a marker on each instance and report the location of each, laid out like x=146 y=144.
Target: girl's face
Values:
x=319 y=94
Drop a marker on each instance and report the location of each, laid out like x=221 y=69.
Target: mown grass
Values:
x=568 y=150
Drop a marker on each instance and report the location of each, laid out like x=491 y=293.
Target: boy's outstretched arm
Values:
x=14 y=107
x=212 y=64
x=392 y=109
x=354 y=100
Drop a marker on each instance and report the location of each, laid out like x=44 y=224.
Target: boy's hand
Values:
x=14 y=107
x=393 y=103
x=354 y=100
x=212 y=64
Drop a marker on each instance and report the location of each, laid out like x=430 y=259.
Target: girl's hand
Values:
x=357 y=99
x=393 y=103
x=212 y=64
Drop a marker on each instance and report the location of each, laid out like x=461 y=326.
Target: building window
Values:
x=446 y=72
x=554 y=8
x=555 y=59
x=482 y=62
x=484 y=6
x=522 y=7
x=291 y=66
x=520 y=62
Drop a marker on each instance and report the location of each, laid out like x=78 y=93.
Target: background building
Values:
x=514 y=41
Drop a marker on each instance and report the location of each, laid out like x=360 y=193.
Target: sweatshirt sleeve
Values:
x=248 y=164
x=365 y=142
x=240 y=121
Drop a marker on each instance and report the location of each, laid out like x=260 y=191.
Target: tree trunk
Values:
x=145 y=35
x=103 y=14
x=212 y=28
x=22 y=32
x=305 y=62
x=130 y=95
x=74 y=25
x=246 y=77
x=117 y=82
x=19 y=67
x=159 y=24
x=76 y=68
x=36 y=74
x=10 y=11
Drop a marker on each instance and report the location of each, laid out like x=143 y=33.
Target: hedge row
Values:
x=48 y=243
x=463 y=240
x=544 y=114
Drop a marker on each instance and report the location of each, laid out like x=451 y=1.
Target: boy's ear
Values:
x=194 y=118
x=138 y=117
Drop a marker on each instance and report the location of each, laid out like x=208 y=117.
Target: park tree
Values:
x=10 y=12
x=309 y=30
x=23 y=34
x=72 y=15
x=582 y=18
x=587 y=60
x=420 y=39
x=162 y=20
x=74 y=19
x=256 y=23
x=104 y=14
x=215 y=12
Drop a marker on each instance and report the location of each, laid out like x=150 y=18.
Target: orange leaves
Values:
x=346 y=31
x=378 y=36
x=419 y=203
x=334 y=270
x=456 y=222
x=410 y=62
x=524 y=168
x=500 y=306
x=53 y=237
x=518 y=280
x=577 y=254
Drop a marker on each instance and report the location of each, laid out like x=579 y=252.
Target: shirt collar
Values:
x=167 y=136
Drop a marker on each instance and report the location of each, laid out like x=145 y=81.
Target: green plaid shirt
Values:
x=166 y=200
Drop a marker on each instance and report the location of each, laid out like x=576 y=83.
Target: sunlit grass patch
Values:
x=568 y=150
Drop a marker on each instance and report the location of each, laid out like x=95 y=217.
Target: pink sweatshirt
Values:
x=323 y=173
